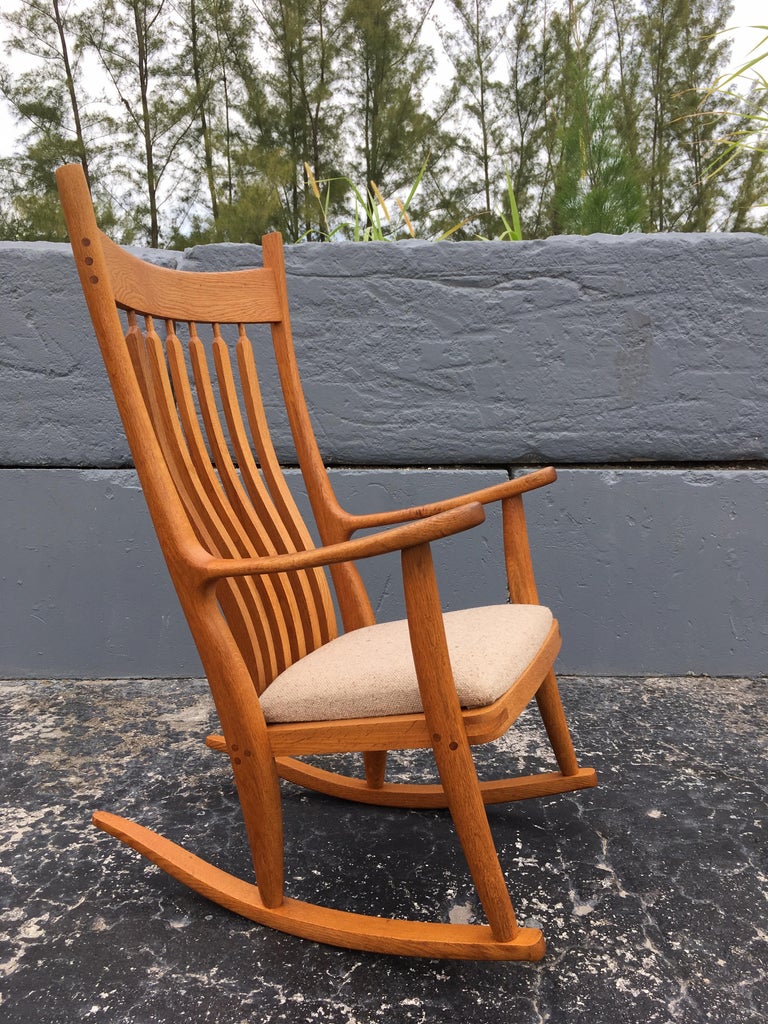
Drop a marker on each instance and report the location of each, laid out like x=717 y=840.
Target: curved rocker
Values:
x=255 y=594
x=322 y=924
x=420 y=794
x=428 y=795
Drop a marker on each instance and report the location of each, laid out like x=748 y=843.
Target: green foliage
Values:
x=47 y=100
x=513 y=231
x=32 y=213
x=681 y=51
x=529 y=95
x=740 y=144
x=595 y=184
x=386 y=74
x=137 y=45
x=597 y=191
x=371 y=218
x=214 y=117
x=474 y=48
x=510 y=218
x=212 y=30
x=298 y=113
x=695 y=196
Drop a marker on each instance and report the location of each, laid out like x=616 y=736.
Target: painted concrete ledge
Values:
x=599 y=349
x=649 y=571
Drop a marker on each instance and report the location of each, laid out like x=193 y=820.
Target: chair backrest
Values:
x=210 y=474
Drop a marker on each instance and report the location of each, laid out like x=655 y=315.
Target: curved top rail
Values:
x=229 y=297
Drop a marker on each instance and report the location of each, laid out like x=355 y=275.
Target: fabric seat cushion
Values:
x=370 y=672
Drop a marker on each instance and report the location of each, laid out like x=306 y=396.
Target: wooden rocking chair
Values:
x=255 y=595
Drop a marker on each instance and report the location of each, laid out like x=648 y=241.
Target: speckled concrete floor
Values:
x=651 y=889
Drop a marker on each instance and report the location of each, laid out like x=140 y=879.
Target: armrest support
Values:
x=497 y=492
x=521 y=581
x=444 y=524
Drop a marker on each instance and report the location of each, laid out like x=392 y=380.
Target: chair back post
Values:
x=86 y=240
x=231 y=684
x=354 y=603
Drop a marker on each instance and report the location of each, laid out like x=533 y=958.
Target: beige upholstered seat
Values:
x=370 y=672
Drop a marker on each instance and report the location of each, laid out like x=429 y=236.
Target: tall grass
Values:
x=748 y=131
x=372 y=218
x=513 y=231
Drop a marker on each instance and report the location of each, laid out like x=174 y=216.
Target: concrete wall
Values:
x=636 y=365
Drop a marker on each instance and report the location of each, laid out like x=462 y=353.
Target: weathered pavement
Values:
x=650 y=889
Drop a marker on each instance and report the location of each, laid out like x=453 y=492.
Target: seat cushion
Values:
x=370 y=672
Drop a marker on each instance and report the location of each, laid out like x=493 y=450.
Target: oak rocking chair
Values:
x=254 y=591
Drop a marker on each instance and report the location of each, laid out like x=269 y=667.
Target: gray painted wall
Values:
x=635 y=364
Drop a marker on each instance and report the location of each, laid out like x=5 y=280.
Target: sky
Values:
x=746 y=13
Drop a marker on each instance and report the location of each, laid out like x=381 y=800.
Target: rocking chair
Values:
x=254 y=591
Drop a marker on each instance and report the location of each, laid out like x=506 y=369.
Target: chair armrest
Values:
x=443 y=524
x=497 y=492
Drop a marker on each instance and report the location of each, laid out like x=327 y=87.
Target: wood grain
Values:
x=254 y=589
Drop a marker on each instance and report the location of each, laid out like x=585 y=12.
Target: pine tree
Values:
x=530 y=103
x=739 y=159
x=702 y=54
x=298 y=117
x=47 y=100
x=683 y=54
x=746 y=187
x=474 y=48
x=624 y=34
x=387 y=70
x=596 y=187
x=218 y=37
x=137 y=43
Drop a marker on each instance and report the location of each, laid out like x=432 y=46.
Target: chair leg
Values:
x=553 y=716
x=449 y=739
x=375 y=768
x=459 y=778
x=522 y=590
x=259 y=793
x=250 y=754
